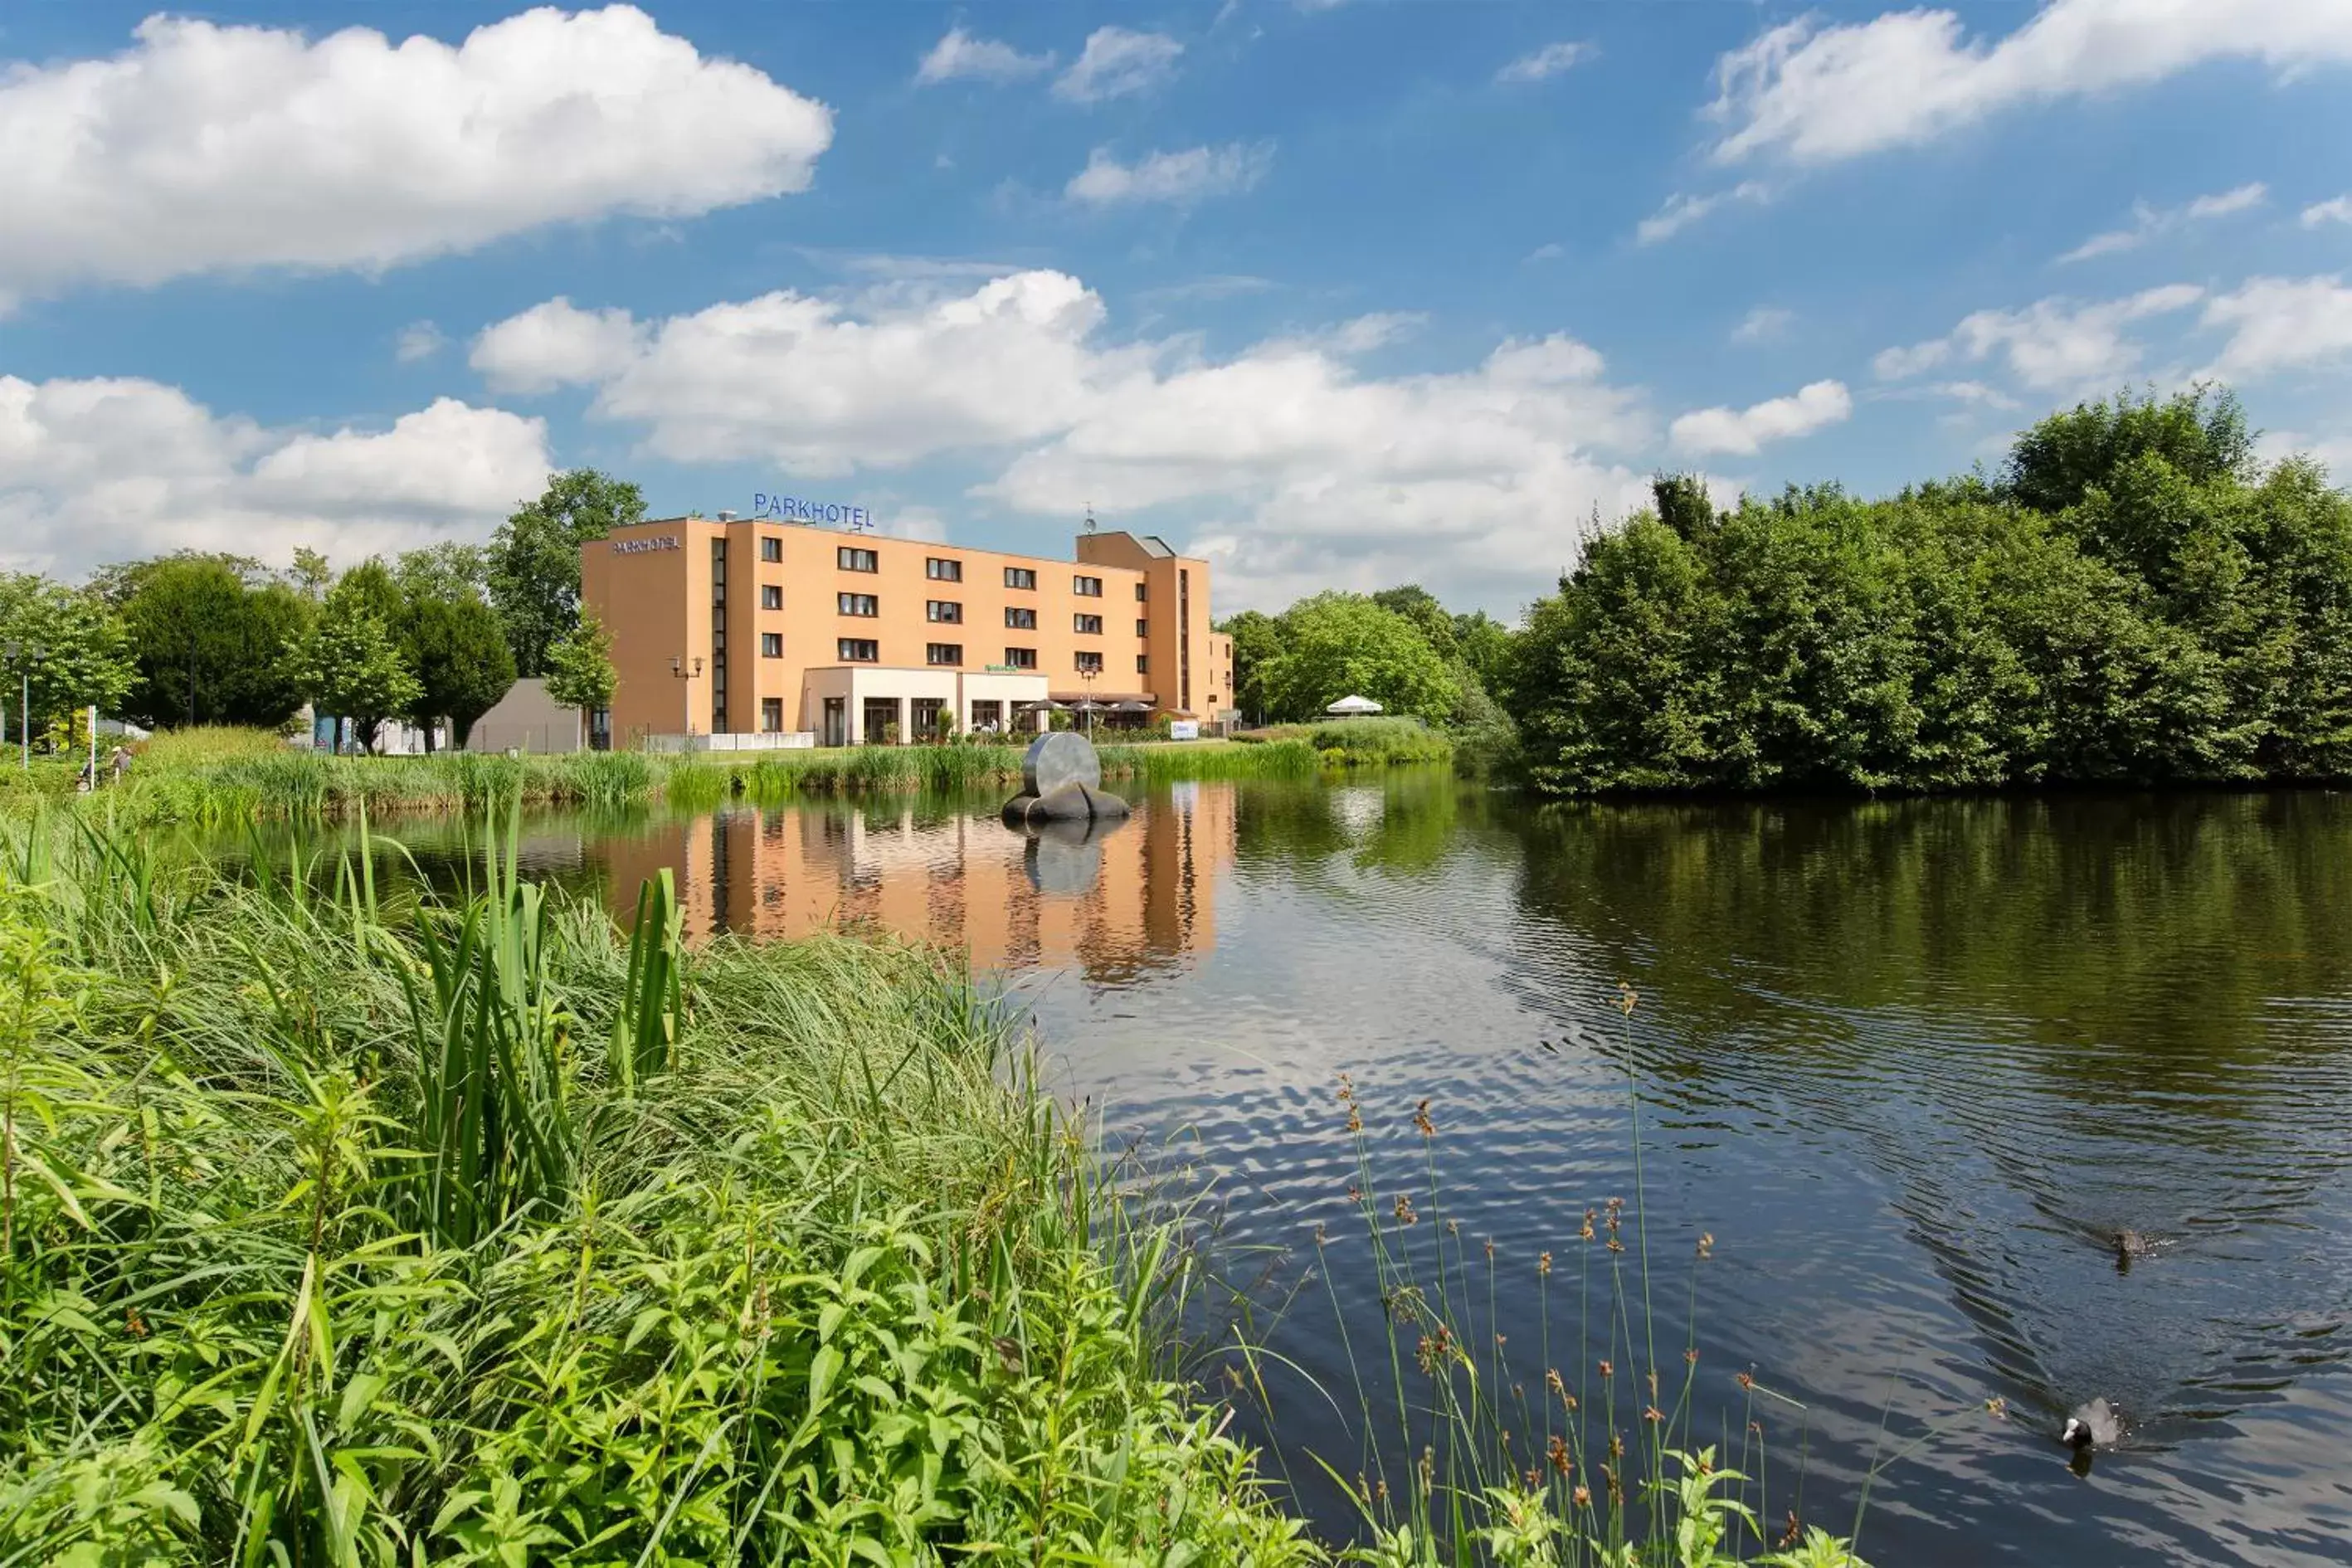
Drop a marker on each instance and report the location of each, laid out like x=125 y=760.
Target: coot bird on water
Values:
x=2093 y=1425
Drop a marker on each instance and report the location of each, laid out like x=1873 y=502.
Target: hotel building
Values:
x=735 y=625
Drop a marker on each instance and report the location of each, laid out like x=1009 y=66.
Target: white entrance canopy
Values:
x=1351 y=705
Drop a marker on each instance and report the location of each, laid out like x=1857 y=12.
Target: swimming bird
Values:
x=2093 y=1425
x=2129 y=1245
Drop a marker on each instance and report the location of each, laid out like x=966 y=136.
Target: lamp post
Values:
x=21 y=656
x=1088 y=677
x=677 y=667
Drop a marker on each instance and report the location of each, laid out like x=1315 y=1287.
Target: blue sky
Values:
x=1341 y=294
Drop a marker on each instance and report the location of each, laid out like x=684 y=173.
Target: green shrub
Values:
x=337 y=1233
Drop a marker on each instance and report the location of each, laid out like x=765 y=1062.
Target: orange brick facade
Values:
x=745 y=626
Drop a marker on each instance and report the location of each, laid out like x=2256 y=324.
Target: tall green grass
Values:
x=337 y=1227
x=216 y=777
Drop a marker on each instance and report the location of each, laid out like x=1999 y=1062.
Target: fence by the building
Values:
x=767 y=740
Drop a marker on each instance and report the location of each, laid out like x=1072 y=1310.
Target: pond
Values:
x=1913 y=1065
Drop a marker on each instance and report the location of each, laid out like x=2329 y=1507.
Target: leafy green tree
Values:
x=1684 y=506
x=351 y=664
x=1336 y=643
x=71 y=651
x=309 y=575
x=2135 y=600
x=457 y=652
x=1257 y=638
x=1485 y=647
x=1419 y=605
x=533 y=562
x=580 y=672
x=207 y=636
x=2202 y=434
x=449 y=571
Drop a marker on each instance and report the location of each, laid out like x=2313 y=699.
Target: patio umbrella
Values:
x=1130 y=706
x=1351 y=705
x=1046 y=705
x=1089 y=706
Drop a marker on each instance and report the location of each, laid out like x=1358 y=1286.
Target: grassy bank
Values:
x=227 y=776
x=341 y=1233
x=1364 y=743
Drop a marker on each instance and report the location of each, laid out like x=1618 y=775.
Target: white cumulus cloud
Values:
x=417 y=340
x=1819 y=94
x=554 y=345
x=2338 y=209
x=804 y=382
x=2281 y=323
x=1682 y=210
x=1309 y=470
x=1764 y=324
x=1118 y=61
x=203 y=148
x=2147 y=222
x=1174 y=177
x=1545 y=63
x=1743 y=432
x=113 y=468
x=960 y=57
x=2054 y=345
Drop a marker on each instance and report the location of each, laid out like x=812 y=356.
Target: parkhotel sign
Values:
x=645 y=546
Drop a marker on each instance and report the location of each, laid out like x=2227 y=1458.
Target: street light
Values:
x=677 y=667
x=23 y=696
x=1088 y=673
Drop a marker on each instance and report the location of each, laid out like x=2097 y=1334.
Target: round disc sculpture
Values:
x=1061 y=781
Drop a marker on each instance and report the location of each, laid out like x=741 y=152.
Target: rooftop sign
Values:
x=640 y=546
x=856 y=518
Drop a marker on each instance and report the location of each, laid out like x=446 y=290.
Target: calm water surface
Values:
x=1911 y=1064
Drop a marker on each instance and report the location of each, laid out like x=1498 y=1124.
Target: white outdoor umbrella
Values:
x=1351 y=706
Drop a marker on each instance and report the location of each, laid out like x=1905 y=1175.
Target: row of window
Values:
x=946 y=612
x=867 y=650
x=942 y=569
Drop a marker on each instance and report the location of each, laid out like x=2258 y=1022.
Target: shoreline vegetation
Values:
x=347 y=1226
x=206 y=777
x=345 y=1222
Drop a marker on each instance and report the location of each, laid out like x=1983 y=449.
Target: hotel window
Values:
x=1086 y=587
x=860 y=650
x=853 y=559
x=1143 y=664
x=1020 y=620
x=1141 y=592
x=1090 y=663
x=1020 y=658
x=1143 y=628
x=1090 y=624
x=772 y=597
x=771 y=550
x=1020 y=577
x=771 y=715
x=858 y=603
x=944 y=610
x=943 y=653
x=771 y=644
x=939 y=571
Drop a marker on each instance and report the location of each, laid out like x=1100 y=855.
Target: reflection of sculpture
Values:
x=1061 y=782
x=1065 y=857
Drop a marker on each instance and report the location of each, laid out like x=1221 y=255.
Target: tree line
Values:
x=2132 y=598
x=427 y=637
x=1399 y=647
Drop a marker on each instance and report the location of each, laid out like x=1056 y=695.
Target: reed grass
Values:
x=222 y=778
x=345 y=1224
x=1588 y=1456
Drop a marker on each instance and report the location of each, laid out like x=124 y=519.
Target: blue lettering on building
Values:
x=794 y=508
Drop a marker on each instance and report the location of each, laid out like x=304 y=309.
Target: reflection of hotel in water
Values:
x=958 y=880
